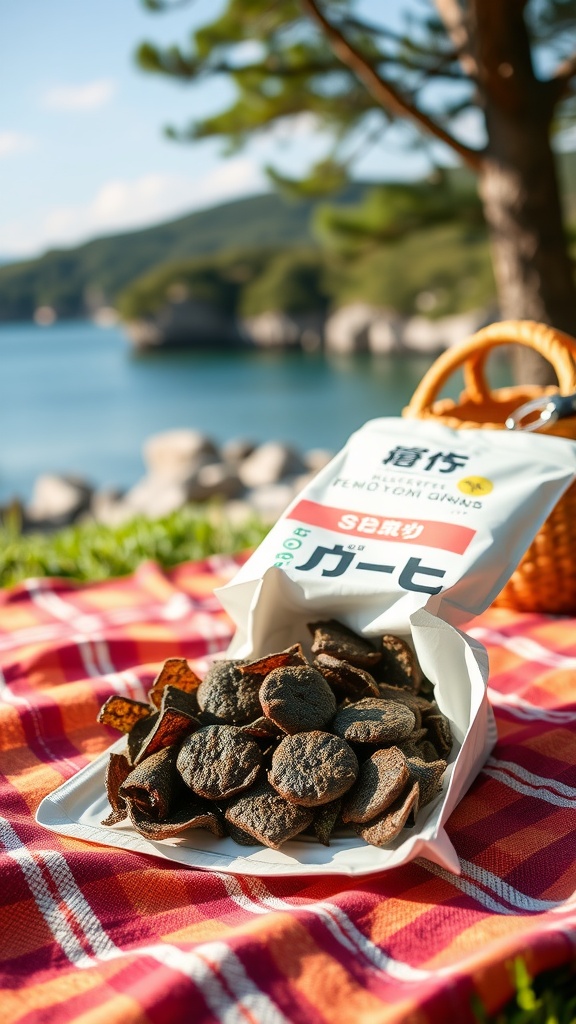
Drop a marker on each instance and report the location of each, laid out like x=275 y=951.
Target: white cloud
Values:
x=15 y=142
x=89 y=96
x=125 y=204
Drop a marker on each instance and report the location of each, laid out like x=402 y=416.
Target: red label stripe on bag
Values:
x=429 y=532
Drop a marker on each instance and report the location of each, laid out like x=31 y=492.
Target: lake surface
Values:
x=76 y=399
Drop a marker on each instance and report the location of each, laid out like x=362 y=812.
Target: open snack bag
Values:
x=409 y=532
x=349 y=715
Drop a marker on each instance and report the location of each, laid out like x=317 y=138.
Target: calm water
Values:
x=75 y=399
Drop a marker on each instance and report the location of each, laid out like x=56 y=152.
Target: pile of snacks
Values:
x=265 y=750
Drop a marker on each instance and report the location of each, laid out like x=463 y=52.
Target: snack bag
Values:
x=411 y=530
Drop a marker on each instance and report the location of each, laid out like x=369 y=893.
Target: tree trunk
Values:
x=518 y=182
x=534 y=274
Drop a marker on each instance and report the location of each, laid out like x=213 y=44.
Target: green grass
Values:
x=93 y=552
x=548 y=999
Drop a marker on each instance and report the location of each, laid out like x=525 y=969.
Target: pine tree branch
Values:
x=384 y=91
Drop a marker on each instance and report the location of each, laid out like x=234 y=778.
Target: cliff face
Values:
x=187 y=324
x=358 y=327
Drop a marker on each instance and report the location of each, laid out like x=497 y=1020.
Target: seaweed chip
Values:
x=117 y=770
x=387 y=825
x=374 y=721
x=382 y=779
x=297 y=698
x=138 y=734
x=122 y=713
x=174 y=672
x=193 y=814
x=428 y=775
x=152 y=785
x=174 y=722
x=291 y=656
x=228 y=697
x=345 y=679
x=399 y=666
x=264 y=814
x=219 y=761
x=333 y=637
x=439 y=733
x=325 y=820
x=313 y=768
x=262 y=728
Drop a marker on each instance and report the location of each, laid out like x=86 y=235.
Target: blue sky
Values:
x=81 y=145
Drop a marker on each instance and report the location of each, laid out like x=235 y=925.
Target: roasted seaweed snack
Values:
x=382 y=779
x=389 y=823
x=332 y=637
x=122 y=713
x=297 y=698
x=218 y=761
x=226 y=696
x=263 y=750
x=194 y=813
x=345 y=679
x=264 y=814
x=399 y=666
x=175 y=672
x=118 y=769
x=313 y=768
x=371 y=720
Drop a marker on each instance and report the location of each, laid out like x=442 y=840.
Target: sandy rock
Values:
x=186 y=323
x=219 y=480
x=103 y=501
x=236 y=450
x=385 y=335
x=156 y=495
x=272 y=330
x=178 y=454
x=347 y=330
x=58 y=499
x=275 y=329
x=316 y=458
x=109 y=508
x=269 y=464
x=433 y=336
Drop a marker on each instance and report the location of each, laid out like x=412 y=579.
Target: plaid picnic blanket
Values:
x=91 y=934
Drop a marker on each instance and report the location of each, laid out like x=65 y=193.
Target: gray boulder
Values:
x=316 y=458
x=236 y=450
x=348 y=328
x=155 y=496
x=178 y=454
x=58 y=500
x=217 y=480
x=270 y=463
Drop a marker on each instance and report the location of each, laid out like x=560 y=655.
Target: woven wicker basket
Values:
x=545 y=580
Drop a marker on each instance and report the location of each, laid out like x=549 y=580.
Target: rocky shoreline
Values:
x=358 y=327
x=182 y=467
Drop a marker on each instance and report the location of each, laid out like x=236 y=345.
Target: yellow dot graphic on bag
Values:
x=476 y=485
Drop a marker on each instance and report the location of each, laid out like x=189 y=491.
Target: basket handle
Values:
x=471 y=353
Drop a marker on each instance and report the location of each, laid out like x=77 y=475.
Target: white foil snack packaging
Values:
x=412 y=529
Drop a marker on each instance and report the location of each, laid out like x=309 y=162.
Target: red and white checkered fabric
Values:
x=90 y=934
